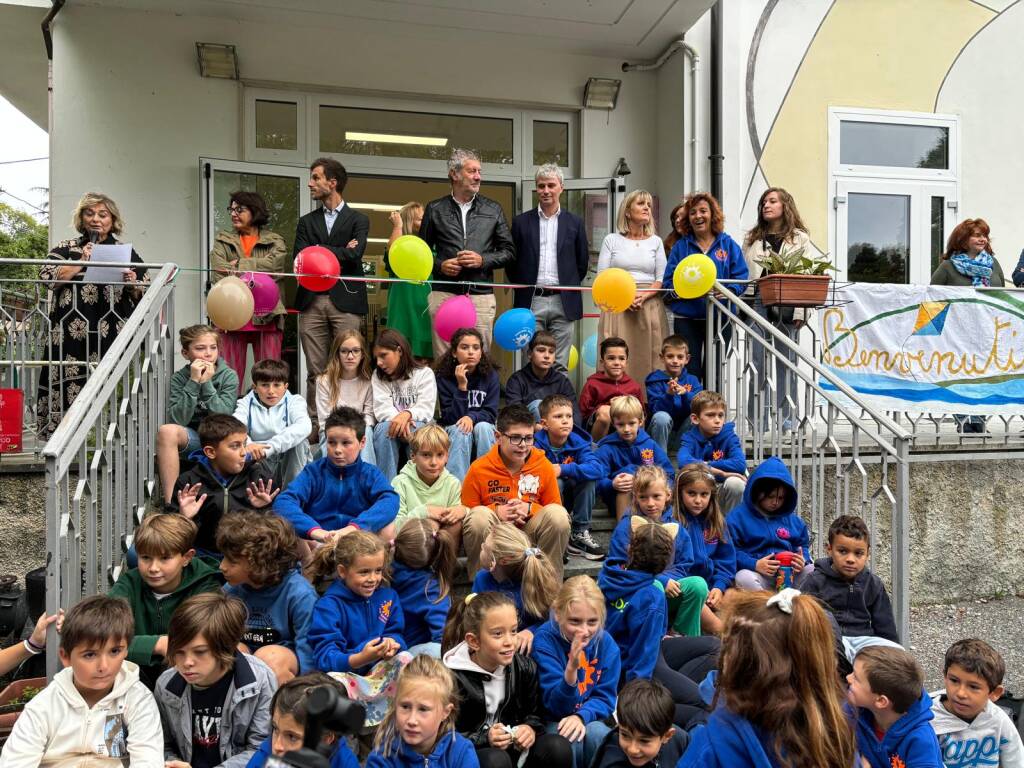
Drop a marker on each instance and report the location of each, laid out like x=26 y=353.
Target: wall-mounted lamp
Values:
x=601 y=93
x=217 y=60
x=622 y=168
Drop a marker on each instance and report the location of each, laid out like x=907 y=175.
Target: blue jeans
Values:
x=663 y=430
x=534 y=406
x=579 y=496
x=583 y=751
x=386 y=449
x=460 y=455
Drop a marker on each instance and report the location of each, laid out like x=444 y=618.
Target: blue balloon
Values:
x=590 y=350
x=514 y=329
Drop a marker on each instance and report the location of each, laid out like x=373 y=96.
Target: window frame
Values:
x=253 y=153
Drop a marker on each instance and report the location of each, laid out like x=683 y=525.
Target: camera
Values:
x=326 y=710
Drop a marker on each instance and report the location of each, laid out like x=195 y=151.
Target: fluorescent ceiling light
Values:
x=396 y=138
x=374 y=206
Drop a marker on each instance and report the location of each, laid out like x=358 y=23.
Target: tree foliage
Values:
x=21 y=237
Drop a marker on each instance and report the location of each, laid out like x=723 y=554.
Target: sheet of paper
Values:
x=120 y=253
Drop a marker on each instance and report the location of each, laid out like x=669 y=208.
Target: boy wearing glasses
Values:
x=514 y=483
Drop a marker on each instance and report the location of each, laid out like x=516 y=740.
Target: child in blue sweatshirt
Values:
x=579 y=667
x=623 y=451
x=468 y=390
x=577 y=468
x=670 y=391
x=340 y=493
x=422 y=573
x=419 y=730
x=259 y=568
x=714 y=442
x=358 y=624
x=894 y=712
x=288 y=711
x=796 y=715
x=686 y=593
x=714 y=557
x=767 y=523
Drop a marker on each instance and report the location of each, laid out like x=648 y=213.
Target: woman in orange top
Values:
x=248 y=247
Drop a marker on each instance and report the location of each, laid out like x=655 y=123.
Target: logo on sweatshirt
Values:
x=964 y=753
x=591 y=674
x=896 y=762
x=717 y=454
x=385 y=611
x=528 y=484
x=475 y=398
x=782 y=532
x=647 y=456
x=569 y=460
x=720 y=254
x=710 y=538
x=686 y=388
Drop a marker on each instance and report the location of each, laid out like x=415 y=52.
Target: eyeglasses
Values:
x=520 y=439
x=239 y=209
x=349 y=352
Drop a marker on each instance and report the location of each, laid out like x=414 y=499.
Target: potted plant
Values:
x=13 y=699
x=793 y=279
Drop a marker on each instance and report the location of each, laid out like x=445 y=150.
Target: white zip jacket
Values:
x=58 y=728
x=282 y=426
x=991 y=740
x=417 y=394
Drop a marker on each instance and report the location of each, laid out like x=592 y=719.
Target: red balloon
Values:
x=317 y=267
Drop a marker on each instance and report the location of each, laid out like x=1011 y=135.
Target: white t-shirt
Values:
x=643 y=259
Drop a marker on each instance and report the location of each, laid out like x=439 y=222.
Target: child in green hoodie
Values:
x=426 y=488
x=168 y=573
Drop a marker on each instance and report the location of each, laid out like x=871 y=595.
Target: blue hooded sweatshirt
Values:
x=578 y=461
x=342 y=757
x=593 y=697
x=911 y=738
x=729 y=741
x=479 y=401
x=484 y=581
x=280 y=615
x=453 y=750
x=331 y=497
x=722 y=451
x=714 y=559
x=754 y=534
x=676 y=406
x=729 y=263
x=618 y=456
x=637 y=617
x=418 y=592
x=344 y=622
x=618 y=549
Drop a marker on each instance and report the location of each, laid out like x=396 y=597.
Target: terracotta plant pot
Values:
x=11 y=692
x=794 y=290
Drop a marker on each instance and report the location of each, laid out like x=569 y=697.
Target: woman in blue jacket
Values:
x=703 y=232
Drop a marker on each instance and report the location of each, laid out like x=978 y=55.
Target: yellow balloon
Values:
x=614 y=290
x=694 y=276
x=574 y=357
x=229 y=304
x=410 y=258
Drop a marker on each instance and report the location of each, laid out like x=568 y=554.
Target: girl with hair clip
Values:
x=686 y=594
x=511 y=564
x=579 y=668
x=779 y=702
x=346 y=381
x=468 y=388
x=422 y=573
x=499 y=688
x=404 y=397
x=419 y=729
x=356 y=631
x=714 y=557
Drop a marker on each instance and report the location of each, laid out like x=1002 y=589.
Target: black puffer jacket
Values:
x=861 y=606
x=487 y=233
x=520 y=706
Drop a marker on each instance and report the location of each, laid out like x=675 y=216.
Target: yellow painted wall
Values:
x=879 y=54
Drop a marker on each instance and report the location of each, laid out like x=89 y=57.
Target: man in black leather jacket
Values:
x=470 y=238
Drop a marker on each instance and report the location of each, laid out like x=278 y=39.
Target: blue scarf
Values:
x=979 y=269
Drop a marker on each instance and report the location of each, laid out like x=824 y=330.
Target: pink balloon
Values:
x=454 y=313
x=265 y=293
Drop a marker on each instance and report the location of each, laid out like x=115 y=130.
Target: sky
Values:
x=22 y=139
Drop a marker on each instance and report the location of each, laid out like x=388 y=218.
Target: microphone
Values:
x=94 y=236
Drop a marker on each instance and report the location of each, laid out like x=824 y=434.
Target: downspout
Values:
x=48 y=42
x=688 y=50
x=716 y=157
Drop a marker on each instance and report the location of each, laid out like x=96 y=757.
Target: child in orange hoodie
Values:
x=514 y=483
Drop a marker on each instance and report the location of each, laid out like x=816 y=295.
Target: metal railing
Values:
x=99 y=460
x=844 y=459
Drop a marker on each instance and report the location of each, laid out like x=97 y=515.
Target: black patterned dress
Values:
x=84 y=320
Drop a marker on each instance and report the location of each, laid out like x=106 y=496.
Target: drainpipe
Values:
x=688 y=50
x=48 y=42
x=716 y=157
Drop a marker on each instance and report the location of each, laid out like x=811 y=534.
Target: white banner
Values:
x=928 y=349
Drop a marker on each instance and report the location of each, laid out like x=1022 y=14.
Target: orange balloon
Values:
x=614 y=290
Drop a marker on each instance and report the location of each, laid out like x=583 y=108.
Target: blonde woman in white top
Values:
x=636 y=248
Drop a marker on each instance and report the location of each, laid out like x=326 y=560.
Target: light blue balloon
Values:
x=514 y=329
x=590 y=350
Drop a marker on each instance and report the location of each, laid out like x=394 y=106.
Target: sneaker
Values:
x=582 y=544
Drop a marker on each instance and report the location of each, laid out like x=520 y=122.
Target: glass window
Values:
x=550 y=143
x=878 y=235
x=938 y=237
x=277 y=124
x=891 y=144
x=390 y=133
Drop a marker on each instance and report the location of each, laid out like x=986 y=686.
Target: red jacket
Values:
x=599 y=390
x=489 y=483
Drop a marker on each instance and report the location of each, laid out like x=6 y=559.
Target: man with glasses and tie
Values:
x=514 y=483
